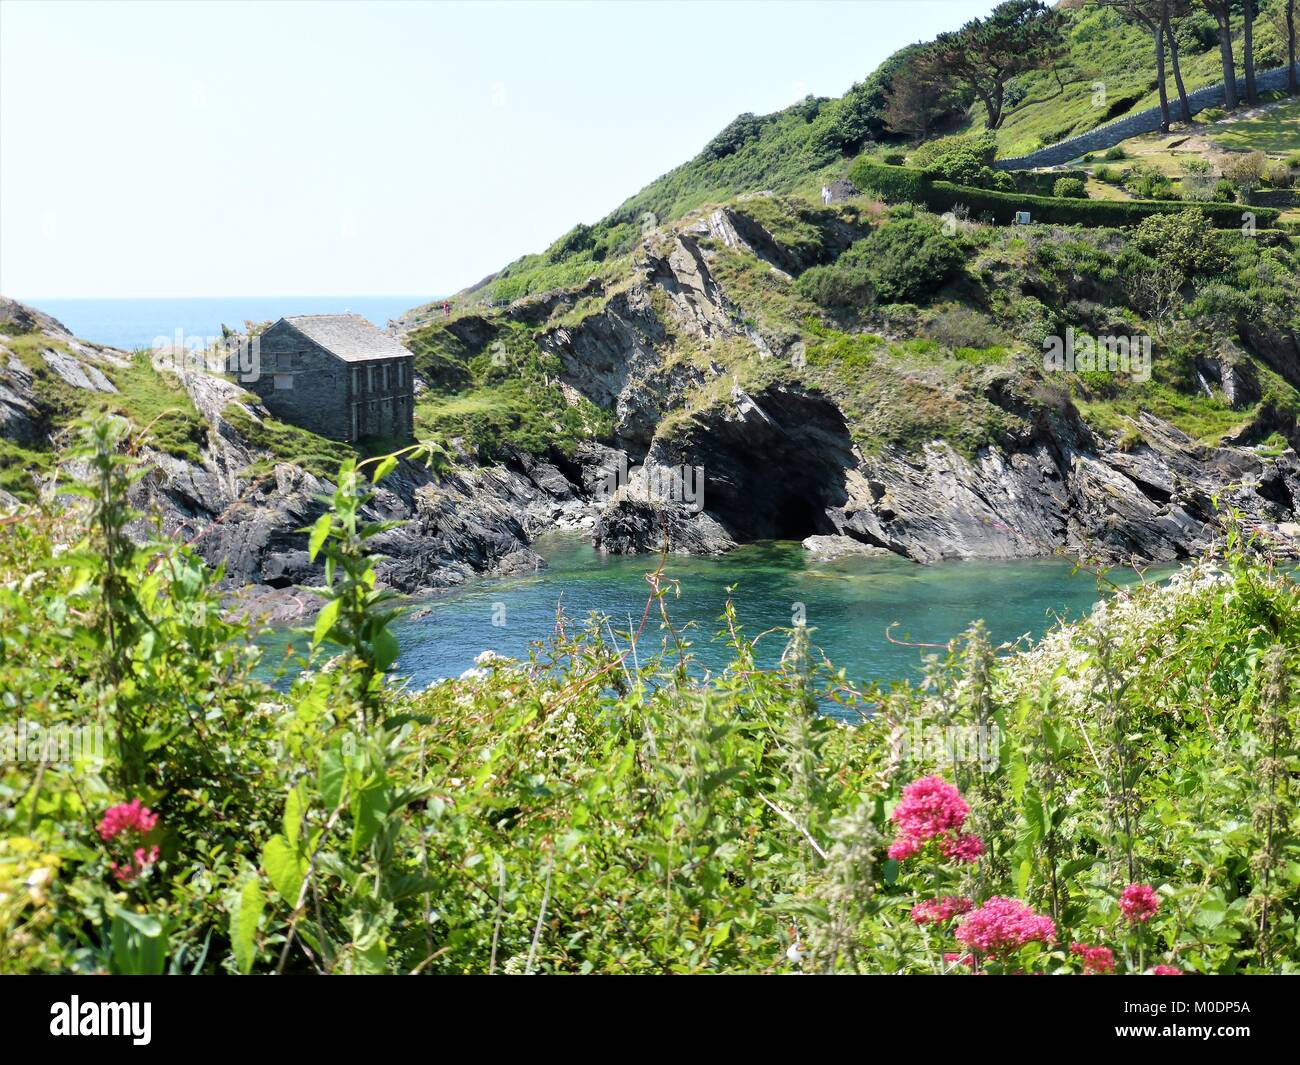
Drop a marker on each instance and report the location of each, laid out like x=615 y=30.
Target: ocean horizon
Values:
x=136 y=322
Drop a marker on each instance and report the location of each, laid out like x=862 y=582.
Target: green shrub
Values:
x=1246 y=170
x=1183 y=240
x=1280 y=176
x=1149 y=183
x=1069 y=188
x=836 y=287
x=1114 y=154
x=906 y=260
x=963 y=161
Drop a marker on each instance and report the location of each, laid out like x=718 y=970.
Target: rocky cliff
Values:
x=736 y=417
x=779 y=461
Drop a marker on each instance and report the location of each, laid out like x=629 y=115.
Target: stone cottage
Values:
x=337 y=375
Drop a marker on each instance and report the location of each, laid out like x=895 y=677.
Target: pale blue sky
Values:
x=195 y=149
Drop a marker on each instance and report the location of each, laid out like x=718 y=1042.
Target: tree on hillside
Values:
x=847 y=124
x=1145 y=13
x=916 y=102
x=1282 y=15
x=1155 y=16
x=1248 y=50
x=1221 y=12
x=985 y=54
x=1171 y=10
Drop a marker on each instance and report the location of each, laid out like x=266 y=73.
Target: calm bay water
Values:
x=849 y=605
x=135 y=323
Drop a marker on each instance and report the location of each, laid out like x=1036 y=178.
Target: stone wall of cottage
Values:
x=381 y=399
x=301 y=383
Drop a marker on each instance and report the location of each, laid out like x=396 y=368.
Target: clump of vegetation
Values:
x=1070 y=188
x=963 y=161
x=159 y=400
x=501 y=396
x=288 y=443
x=905 y=261
x=1147 y=182
x=1245 y=171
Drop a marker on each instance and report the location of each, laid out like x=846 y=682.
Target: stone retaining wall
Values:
x=1147 y=121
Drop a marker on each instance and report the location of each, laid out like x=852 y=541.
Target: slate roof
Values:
x=349 y=336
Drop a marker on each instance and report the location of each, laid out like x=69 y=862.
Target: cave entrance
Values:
x=796 y=519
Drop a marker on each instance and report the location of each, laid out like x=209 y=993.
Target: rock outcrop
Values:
x=242 y=509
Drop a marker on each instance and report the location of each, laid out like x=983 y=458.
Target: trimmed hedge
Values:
x=900 y=184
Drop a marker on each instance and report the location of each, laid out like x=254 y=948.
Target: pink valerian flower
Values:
x=964 y=848
x=1004 y=925
x=131 y=816
x=940 y=911
x=932 y=809
x=140 y=861
x=128 y=824
x=929 y=807
x=904 y=847
x=958 y=959
x=1165 y=970
x=1096 y=960
x=1139 y=902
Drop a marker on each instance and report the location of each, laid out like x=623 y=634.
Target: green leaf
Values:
x=285 y=867
x=1023 y=873
x=385 y=649
x=139 y=944
x=326 y=620
x=331 y=775
x=244 y=919
x=319 y=532
x=295 y=806
x=385 y=467
x=369 y=808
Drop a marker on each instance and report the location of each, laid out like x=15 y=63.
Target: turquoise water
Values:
x=849 y=605
x=135 y=323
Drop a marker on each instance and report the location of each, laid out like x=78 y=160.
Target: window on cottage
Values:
x=356 y=384
x=370 y=378
x=283 y=381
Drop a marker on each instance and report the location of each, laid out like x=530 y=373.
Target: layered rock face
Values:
x=780 y=463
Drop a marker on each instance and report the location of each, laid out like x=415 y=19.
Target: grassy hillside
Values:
x=1105 y=49
x=796 y=149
